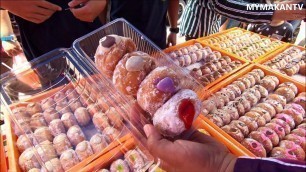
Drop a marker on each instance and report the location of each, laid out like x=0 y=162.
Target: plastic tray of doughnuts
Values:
x=65 y=118
x=206 y=64
x=289 y=60
x=261 y=111
x=243 y=44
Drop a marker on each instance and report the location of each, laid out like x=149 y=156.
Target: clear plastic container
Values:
x=56 y=105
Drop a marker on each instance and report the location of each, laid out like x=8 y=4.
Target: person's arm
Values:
x=173 y=17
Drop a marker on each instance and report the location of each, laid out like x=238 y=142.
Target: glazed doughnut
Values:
x=297 y=117
x=283 y=124
x=111 y=132
x=289 y=85
x=61 y=143
x=131 y=71
x=134 y=160
x=239 y=106
x=241 y=126
x=265 y=114
x=286 y=92
x=229 y=92
x=277 y=106
x=226 y=118
x=159 y=86
x=246 y=104
x=299 y=131
x=297 y=140
x=293 y=148
x=263 y=139
x=251 y=79
x=215 y=119
x=255 y=147
x=235 y=89
x=114 y=117
x=69 y=159
x=255 y=92
x=42 y=134
x=83 y=150
x=33 y=108
x=82 y=116
x=256 y=76
x=75 y=135
x=50 y=114
x=297 y=108
x=273 y=78
x=303 y=125
x=208 y=106
x=250 y=122
x=269 y=108
x=110 y=51
x=100 y=121
x=98 y=142
x=57 y=127
x=28 y=160
x=247 y=83
x=271 y=134
x=288 y=119
x=279 y=130
x=233 y=132
x=256 y=117
x=37 y=120
x=47 y=103
x=279 y=98
x=46 y=151
x=21 y=113
x=68 y=120
x=119 y=165
x=251 y=98
x=223 y=96
x=178 y=113
x=233 y=112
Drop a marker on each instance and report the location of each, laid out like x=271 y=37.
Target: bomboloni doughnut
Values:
x=68 y=120
x=178 y=113
x=265 y=114
x=100 y=121
x=53 y=165
x=69 y=159
x=119 y=165
x=82 y=116
x=57 y=127
x=277 y=106
x=61 y=143
x=42 y=134
x=288 y=119
x=255 y=147
x=83 y=150
x=62 y=107
x=98 y=142
x=286 y=92
x=111 y=133
x=93 y=109
x=269 y=108
x=233 y=112
x=50 y=114
x=33 y=108
x=289 y=85
x=256 y=117
x=59 y=97
x=46 y=151
x=114 y=118
x=250 y=122
x=283 y=124
x=159 y=86
x=71 y=94
x=215 y=119
x=134 y=160
x=263 y=139
x=24 y=141
x=279 y=98
x=263 y=91
x=74 y=104
x=47 y=103
x=241 y=126
x=233 y=132
x=28 y=160
x=110 y=51
x=279 y=130
x=271 y=134
x=131 y=71
x=37 y=121
x=75 y=135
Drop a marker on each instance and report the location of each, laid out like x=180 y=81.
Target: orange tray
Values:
x=3 y=166
x=230 y=142
x=223 y=53
x=203 y=40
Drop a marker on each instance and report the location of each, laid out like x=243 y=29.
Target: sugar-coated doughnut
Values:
x=68 y=120
x=297 y=140
x=75 y=135
x=59 y=97
x=24 y=141
x=263 y=139
x=74 y=104
x=98 y=142
x=288 y=119
x=257 y=117
x=229 y=92
x=46 y=151
x=268 y=84
x=158 y=87
x=119 y=165
x=260 y=72
x=279 y=98
x=215 y=119
x=178 y=113
x=93 y=109
x=250 y=122
x=110 y=51
x=82 y=116
x=114 y=118
x=269 y=108
x=240 y=84
x=42 y=134
x=53 y=165
x=277 y=106
x=37 y=120
x=69 y=159
x=83 y=150
x=283 y=124
x=265 y=114
x=50 y=114
x=279 y=130
x=226 y=118
x=28 y=160
x=47 y=103
x=33 y=108
x=100 y=121
x=61 y=143
x=271 y=134
x=57 y=127
x=301 y=101
x=235 y=89
x=251 y=98
x=286 y=92
x=255 y=147
x=111 y=133
x=233 y=132
x=233 y=112
x=289 y=85
x=134 y=160
x=263 y=91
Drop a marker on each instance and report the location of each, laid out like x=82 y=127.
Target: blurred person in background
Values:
x=47 y=25
x=202 y=17
x=149 y=17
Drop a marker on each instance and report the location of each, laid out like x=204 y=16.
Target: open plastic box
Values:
x=55 y=73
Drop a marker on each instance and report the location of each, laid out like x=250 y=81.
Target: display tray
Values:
x=2 y=155
x=63 y=86
x=235 y=146
x=297 y=76
x=204 y=40
x=202 y=62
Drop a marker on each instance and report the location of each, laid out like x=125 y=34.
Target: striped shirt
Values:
x=202 y=17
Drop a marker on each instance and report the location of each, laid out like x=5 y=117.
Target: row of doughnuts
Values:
x=133 y=160
x=289 y=62
x=158 y=90
x=56 y=124
x=254 y=117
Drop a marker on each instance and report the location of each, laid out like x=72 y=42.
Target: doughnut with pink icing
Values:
x=288 y=119
x=263 y=139
x=279 y=130
x=283 y=124
x=283 y=153
x=255 y=147
x=293 y=149
x=271 y=134
x=299 y=131
x=297 y=140
x=298 y=108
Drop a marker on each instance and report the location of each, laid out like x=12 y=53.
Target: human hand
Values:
x=36 y=11
x=201 y=154
x=89 y=11
x=171 y=39
x=11 y=48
